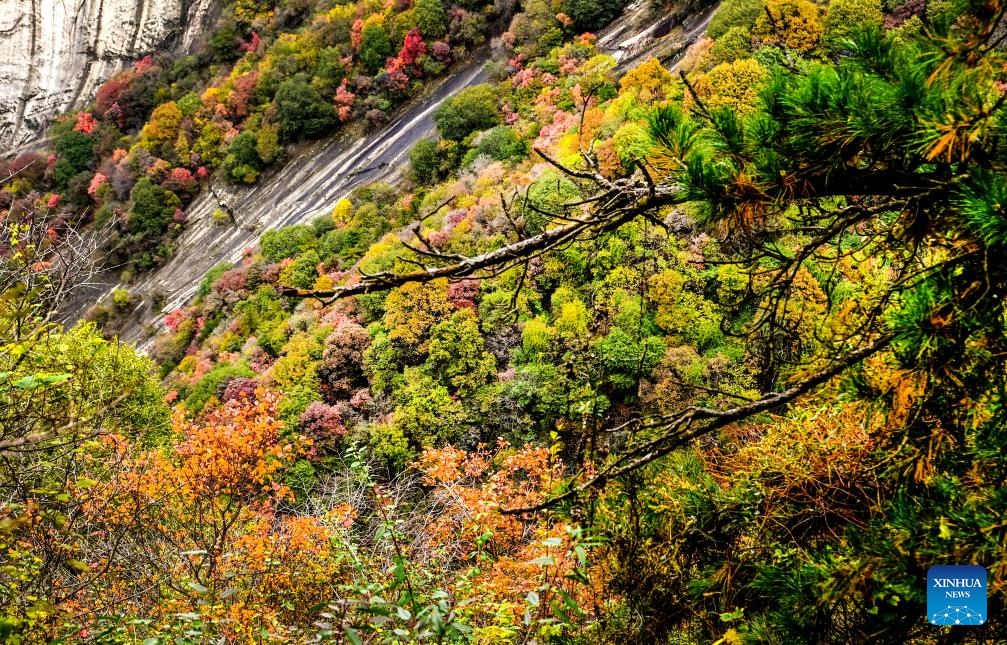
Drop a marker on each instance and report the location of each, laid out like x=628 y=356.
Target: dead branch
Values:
x=594 y=223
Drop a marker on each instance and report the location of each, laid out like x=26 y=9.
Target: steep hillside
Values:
x=55 y=55
x=314 y=181
x=579 y=346
x=265 y=82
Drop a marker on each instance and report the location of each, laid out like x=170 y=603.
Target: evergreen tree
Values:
x=896 y=152
x=425 y=161
x=375 y=47
x=588 y=15
x=431 y=18
x=242 y=162
x=153 y=209
x=302 y=112
x=473 y=108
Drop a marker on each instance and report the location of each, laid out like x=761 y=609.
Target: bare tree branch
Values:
x=593 y=223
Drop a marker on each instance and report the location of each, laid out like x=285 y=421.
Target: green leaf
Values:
x=353 y=636
x=27 y=383
x=570 y=602
x=77 y=565
x=35 y=381
x=198 y=588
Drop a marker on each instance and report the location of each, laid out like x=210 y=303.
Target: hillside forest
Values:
x=707 y=350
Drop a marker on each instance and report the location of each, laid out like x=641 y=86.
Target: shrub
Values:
x=162 y=127
x=735 y=85
x=322 y=422
x=473 y=108
x=650 y=81
x=240 y=387
x=425 y=161
x=427 y=414
x=302 y=272
x=295 y=402
x=301 y=478
x=456 y=356
x=122 y=299
x=734 y=45
x=632 y=143
x=412 y=310
x=286 y=242
x=375 y=46
x=267 y=142
x=431 y=18
x=224 y=44
x=76 y=148
x=207 y=386
x=588 y=15
x=153 y=208
x=547 y=194
x=242 y=162
x=844 y=17
x=302 y=112
x=502 y=144
x=796 y=24
x=734 y=13
x=211 y=276
x=388 y=443
x=342 y=368
x=220 y=217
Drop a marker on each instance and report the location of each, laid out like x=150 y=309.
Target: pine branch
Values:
x=681 y=429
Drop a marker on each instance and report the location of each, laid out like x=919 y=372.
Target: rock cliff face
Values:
x=54 y=54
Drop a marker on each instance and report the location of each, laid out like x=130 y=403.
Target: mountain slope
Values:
x=311 y=183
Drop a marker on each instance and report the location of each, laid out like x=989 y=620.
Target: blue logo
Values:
x=956 y=594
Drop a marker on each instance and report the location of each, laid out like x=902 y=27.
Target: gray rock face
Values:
x=54 y=54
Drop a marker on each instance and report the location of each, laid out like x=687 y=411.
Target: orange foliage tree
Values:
x=207 y=526
x=521 y=572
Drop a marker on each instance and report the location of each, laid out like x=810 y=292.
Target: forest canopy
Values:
x=710 y=350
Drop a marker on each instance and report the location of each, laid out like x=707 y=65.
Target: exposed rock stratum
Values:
x=54 y=54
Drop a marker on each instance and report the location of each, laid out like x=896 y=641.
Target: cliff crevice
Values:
x=55 y=54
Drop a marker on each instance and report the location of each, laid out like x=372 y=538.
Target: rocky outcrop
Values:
x=54 y=54
x=643 y=30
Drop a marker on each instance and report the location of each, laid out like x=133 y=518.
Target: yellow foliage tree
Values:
x=162 y=126
x=343 y=211
x=412 y=309
x=735 y=85
x=649 y=80
x=797 y=24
